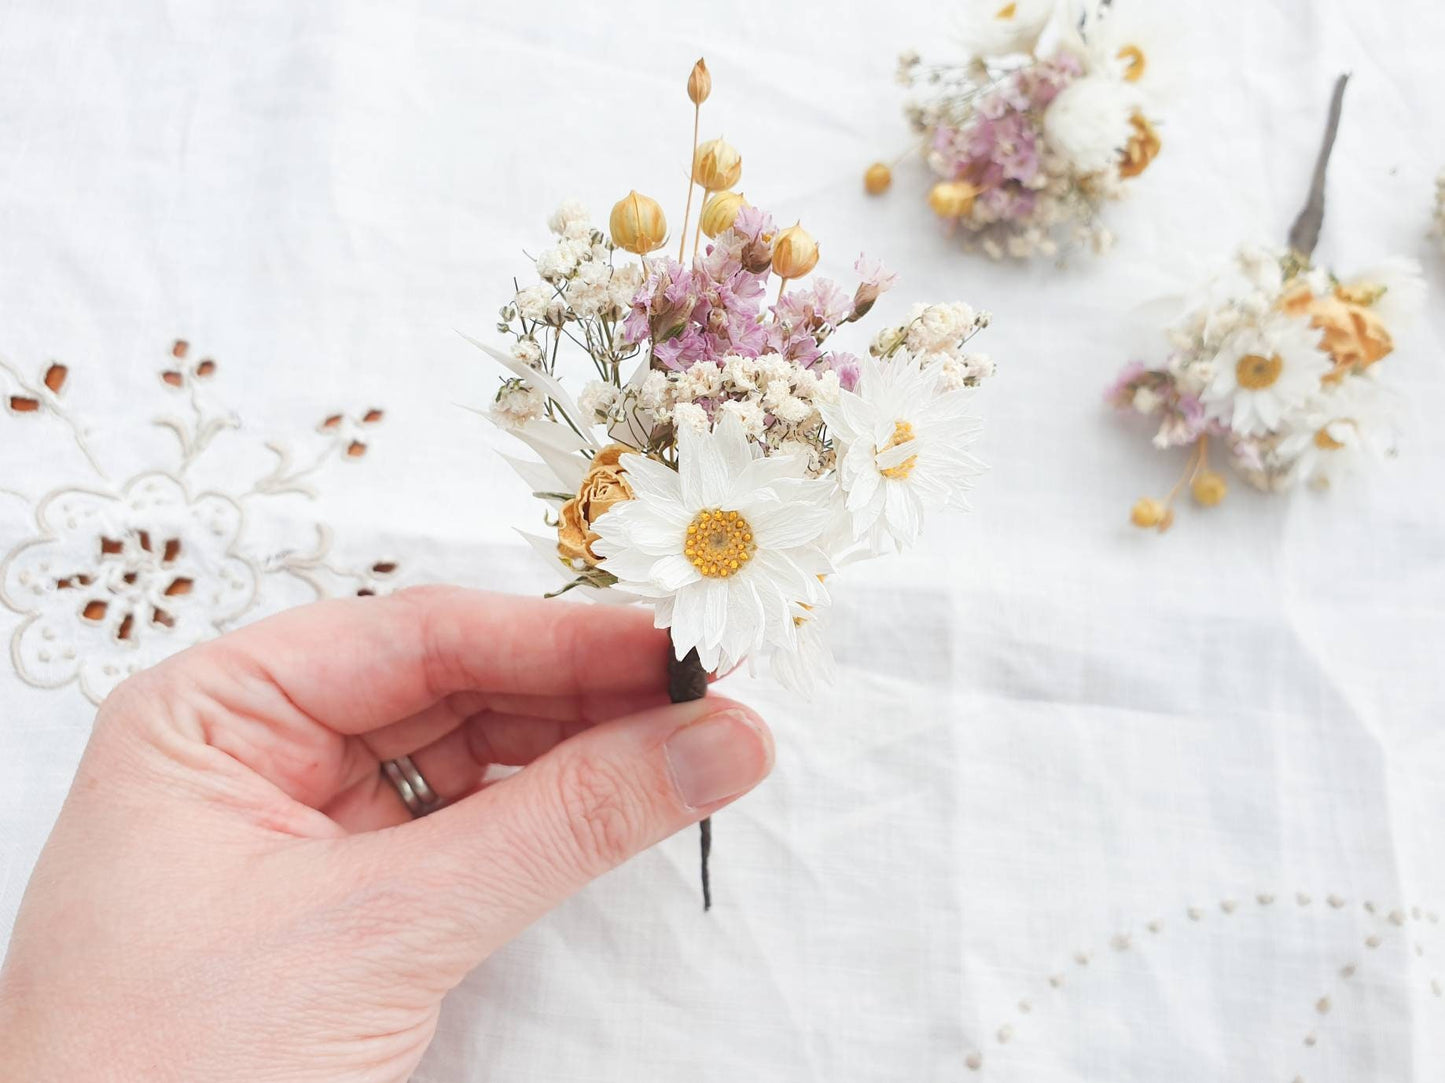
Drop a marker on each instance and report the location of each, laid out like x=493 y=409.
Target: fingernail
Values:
x=718 y=757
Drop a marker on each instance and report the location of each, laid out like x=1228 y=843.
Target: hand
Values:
x=234 y=892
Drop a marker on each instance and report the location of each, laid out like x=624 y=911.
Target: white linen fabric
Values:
x=1085 y=803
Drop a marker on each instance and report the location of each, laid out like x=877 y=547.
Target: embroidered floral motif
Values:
x=118 y=577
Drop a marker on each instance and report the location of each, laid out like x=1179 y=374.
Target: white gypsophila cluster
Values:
x=775 y=400
x=579 y=280
x=517 y=403
x=935 y=335
x=600 y=402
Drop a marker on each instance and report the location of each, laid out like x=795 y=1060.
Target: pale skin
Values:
x=233 y=892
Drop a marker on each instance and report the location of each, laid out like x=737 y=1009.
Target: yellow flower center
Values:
x=1325 y=442
x=1008 y=11
x=1133 y=58
x=1256 y=372
x=902 y=433
x=718 y=543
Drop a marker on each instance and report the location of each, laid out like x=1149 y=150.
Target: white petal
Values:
x=784 y=526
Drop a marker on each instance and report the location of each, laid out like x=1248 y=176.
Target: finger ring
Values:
x=414 y=791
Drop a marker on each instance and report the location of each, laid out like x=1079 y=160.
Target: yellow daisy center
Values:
x=902 y=433
x=718 y=543
x=1133 y=58
x=1008 y=11
x=1256 y=372
x=1325 y=442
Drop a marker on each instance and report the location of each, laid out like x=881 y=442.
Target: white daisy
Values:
x=902 y=448
x=1264 y=371
x=994 y=28
x=1088 y=123
x=1132 y=40
x=809 y=664
x=1334 y=432
x=726 y=546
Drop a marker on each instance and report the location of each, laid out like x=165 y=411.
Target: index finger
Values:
x=355 y=664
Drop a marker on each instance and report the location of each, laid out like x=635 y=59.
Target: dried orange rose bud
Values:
x=604 y=487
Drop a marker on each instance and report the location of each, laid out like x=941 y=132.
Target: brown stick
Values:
x=687 y=681
x=1305 y=233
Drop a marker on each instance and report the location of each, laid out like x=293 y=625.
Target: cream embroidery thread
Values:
x=115 y=578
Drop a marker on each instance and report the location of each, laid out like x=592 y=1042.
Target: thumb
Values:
x=501 y=858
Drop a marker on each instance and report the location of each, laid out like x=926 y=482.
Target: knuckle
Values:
x=605 y=813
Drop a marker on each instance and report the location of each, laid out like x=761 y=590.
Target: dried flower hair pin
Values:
x=724 y=457
x=1276 y=364
x=1039 y=125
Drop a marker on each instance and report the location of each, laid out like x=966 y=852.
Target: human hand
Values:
x=234 y=892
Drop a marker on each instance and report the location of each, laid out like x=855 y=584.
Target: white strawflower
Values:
x=1088 y=123
x=992 y=28
x=1263 y=372
x=902 y=449
x=518 y=403
x=809 y=666
x=725 y=546
x=1334 y=432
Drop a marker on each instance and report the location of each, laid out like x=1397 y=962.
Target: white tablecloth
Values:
x=1085 y=804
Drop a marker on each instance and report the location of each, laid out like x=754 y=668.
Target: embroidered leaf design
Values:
x=372 y=416
x=94 y=610
x=55 y=377
x=23 y=404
